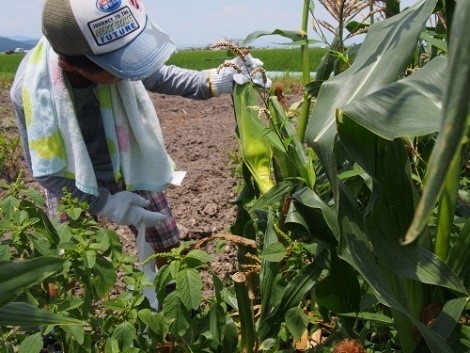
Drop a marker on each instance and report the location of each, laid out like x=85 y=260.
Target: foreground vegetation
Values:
x=352 y=220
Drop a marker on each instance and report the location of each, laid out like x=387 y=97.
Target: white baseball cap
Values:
x=115 y=34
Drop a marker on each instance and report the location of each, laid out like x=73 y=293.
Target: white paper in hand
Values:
x=144 y=250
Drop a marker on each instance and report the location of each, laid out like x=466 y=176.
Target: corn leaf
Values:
x=455 y=117
x=295 y=36
x=24 y=314
x=355 y=249
x=292 y=296
x=15 y=276
x=376 y=65
x=310 y=213
x=409 y=107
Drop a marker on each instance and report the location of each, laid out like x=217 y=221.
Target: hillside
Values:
x=10 y=44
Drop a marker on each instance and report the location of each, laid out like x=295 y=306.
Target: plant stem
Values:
x=303 y=116
x=248 y=333
x=446 y=209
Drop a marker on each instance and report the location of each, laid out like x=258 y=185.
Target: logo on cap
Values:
x=136 y=4
x=108 y=5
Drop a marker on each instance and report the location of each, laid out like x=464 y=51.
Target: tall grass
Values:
x=8 y=66
x=287 y=60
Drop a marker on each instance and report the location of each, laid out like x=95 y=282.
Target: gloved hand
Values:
x=249 y=64
x=222 y=79
x=127 y=208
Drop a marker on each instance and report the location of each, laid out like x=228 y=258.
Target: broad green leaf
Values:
x=156 y=323
x=46 y=225
x=5 y=252
x=455 y=118
x=24 y=314
x=90 y=258
x=296 y=322
x=125 y=333
x=15 y=276
x=78 y=333
x=274 y=252
x=112 y=346
x=31 y=344
x=197 y=257
x=105 y=276
x=189 y=287
x=409 y=107
x=174 y=308
x=391 y=207
x=376 y=65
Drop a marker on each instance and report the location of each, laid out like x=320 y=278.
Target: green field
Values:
x=287 y=60
x=8 y=66
x=284 y=60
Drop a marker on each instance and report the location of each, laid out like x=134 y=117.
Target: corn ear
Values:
x=254 y=146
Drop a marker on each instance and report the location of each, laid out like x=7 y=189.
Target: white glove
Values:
x=222 y=81
x=127 y=208
x=248 y=64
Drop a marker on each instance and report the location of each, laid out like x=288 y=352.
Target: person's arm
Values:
x=56 y=185
x=173 y=80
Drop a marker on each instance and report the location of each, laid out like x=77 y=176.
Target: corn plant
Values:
x=371 y=130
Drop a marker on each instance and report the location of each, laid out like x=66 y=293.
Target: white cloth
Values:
x=132 y=129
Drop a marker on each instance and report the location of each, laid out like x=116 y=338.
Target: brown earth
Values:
x=200 y=137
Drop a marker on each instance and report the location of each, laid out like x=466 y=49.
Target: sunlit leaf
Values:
x=409 y=107
x=274 y=252
x=189 y=287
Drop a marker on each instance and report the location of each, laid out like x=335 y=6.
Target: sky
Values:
x=189 y=23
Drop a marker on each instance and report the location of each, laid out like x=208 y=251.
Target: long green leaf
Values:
x=292 y=35
x=15 y=276
x=312 y=214
x=409 y=107
x=376 y=65
x=455 y=117
x=292 y=296
x=24 y=314
x=355 y=249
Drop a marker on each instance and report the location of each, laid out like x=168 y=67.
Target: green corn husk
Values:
x=254 y=146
